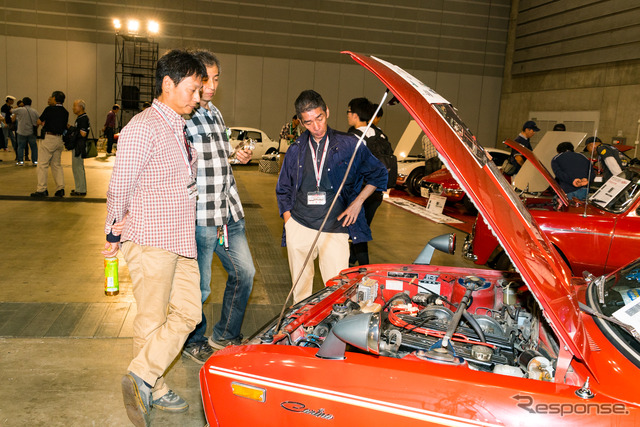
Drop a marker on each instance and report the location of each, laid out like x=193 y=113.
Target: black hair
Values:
x=362 y=108
x=295 y=117
x=309 y=100
x=559 y=127
x=115 y=107
x=59 y=96
x=178 y=64
x=207 y=58
x=26 y=100
x=380 y=111
x=564 y=146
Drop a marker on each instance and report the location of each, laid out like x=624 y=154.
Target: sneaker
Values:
x=59 y=193
x=220 y=344
x=44 y=193
x=137 y=399
x=75 y=193
x=171 y=402
x=198 y=352
x=19 y=163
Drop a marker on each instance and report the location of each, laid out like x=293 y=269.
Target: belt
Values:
x=56 y=134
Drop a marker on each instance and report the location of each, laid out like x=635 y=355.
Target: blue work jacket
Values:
x=366 y=168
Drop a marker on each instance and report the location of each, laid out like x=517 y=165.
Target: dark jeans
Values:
x=109 y=132
x=359 y=252
x=238 y=263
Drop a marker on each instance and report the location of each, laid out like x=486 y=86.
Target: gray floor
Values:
x=64 y=345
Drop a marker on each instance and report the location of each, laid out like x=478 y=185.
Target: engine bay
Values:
x=487 y=322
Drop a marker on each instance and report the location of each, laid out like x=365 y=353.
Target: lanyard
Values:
x=318 y=169
x=186 y=156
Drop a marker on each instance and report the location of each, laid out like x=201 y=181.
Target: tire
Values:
x=469 y=206
x=413 y=181
x=271 y=150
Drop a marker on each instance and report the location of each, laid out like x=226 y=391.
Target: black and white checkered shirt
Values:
x=217 y=190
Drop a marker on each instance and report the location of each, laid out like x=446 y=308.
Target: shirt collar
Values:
x=175 y=118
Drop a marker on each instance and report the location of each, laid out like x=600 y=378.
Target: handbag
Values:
x=92 y=147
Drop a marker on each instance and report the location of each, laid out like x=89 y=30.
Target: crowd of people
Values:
x=169 y=241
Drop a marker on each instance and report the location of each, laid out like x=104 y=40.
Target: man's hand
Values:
x=286 y=216
x=350 y=214
x=110 y=249
x=519 y=159
x=580 y=182
x=244 y=156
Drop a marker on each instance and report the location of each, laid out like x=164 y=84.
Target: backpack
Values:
x=380 y=147
x=70 y=136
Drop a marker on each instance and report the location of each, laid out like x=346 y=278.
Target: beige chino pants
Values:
x=332 y=249
x=49 y=154
x=166 y=287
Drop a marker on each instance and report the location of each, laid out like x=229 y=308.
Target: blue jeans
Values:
x=22 y=143
x=580 y=194
x=238 y=263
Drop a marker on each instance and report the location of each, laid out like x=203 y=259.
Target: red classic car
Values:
x=599 y=238
x=428 y=345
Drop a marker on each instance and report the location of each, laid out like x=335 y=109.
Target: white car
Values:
x=263 y=144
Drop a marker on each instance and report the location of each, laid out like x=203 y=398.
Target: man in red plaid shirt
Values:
x=151 y=205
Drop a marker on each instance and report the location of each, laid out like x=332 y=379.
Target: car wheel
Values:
x=271 y=150
x=413 y=181
x=502 y=262
x=469 y=206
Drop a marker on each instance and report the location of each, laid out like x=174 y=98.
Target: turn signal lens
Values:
x=248 y=391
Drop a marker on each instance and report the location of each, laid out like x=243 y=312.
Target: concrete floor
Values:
x=64 y=345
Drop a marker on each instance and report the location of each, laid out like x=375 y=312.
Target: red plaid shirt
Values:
x=149 y=183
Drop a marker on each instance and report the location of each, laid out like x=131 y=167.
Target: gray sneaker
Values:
x=220 y=344
x=198 y=352
x=137 y=399
x=171 y=402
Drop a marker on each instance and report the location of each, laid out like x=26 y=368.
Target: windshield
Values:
x=621 y=290
x=619 y=192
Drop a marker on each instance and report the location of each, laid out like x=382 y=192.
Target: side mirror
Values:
x=445 y=243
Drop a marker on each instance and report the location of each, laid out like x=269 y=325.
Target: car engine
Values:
x=488 y=323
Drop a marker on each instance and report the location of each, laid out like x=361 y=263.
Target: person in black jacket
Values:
x=359 y=112
x=572 y=171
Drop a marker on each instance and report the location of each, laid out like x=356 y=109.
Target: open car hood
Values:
x=528 y=154
x=539 y=264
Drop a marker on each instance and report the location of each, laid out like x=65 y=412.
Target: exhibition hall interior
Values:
x=491 y=270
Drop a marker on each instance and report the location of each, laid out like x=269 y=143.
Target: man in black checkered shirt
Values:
x=219 y=220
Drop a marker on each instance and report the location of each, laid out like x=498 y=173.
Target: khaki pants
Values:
x=333 y=249
x=49 y=153
x=166 y=287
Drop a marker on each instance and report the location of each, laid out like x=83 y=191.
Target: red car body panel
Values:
x=296 y=387
x=590 y=239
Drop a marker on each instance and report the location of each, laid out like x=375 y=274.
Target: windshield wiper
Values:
x=630 y=329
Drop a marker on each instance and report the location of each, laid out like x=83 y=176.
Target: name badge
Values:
x=316 y=198
x=192 y=190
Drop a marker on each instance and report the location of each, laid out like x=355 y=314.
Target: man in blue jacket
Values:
x=572 y=171
x=312 y=171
